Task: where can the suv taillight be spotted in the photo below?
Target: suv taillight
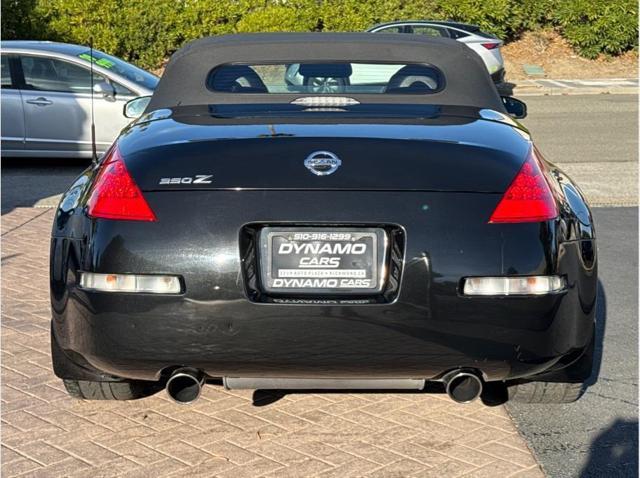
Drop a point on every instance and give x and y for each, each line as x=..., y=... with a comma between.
x=490, y=46
x=115, y=194
x=528, y=198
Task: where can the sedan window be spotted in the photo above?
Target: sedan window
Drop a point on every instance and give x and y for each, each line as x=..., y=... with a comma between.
x=6, y=72
x=122, y=68
x=49, y=74
x=394, y=29
x=121, y=90
x=455, y=34
x=429, y=30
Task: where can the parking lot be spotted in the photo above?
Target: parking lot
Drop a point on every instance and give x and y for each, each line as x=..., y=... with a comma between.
x=45, y=433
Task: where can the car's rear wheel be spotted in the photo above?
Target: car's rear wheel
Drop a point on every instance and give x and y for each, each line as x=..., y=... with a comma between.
x=131, y=390
x=546, y=392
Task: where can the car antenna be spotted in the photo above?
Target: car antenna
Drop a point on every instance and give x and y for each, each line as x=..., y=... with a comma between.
x=94, y=152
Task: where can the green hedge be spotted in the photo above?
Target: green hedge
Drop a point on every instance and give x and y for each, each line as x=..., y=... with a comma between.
x=598, y=26
x=147, y=31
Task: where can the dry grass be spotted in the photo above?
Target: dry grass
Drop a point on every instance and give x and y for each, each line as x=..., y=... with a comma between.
x=549, y=50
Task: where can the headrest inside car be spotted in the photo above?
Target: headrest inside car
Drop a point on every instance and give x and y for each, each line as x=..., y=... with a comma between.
x=414, y=79
x=237, y=78
x=325, y=70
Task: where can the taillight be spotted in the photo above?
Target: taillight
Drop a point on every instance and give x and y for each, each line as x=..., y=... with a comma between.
x=491, y=46
x=528, y=198
x=115, y=194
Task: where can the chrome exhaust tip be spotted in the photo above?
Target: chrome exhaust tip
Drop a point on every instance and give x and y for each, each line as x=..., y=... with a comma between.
x=463, y=386
x=185, y=385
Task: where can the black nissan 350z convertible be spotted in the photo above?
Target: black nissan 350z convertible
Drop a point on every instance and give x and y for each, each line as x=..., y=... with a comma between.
x=324, y=211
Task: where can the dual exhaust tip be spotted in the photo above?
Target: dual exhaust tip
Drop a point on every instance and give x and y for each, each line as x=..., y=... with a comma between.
x=184, y=386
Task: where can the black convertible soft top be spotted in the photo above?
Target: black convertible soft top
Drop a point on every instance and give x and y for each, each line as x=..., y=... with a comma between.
x=467, y=82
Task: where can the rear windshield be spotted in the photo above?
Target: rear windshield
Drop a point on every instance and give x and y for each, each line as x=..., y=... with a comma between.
x=326, y=78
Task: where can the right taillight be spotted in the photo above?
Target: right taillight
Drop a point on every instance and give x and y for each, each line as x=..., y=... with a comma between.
x=528, y=198
x=115, y=194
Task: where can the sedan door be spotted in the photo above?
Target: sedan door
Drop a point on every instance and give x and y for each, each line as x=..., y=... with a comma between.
x=57, y=108
x=11, y=110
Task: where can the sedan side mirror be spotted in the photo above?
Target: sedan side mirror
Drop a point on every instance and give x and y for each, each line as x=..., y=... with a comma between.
x=517, y=109
x=135, y=107
x=105, y=89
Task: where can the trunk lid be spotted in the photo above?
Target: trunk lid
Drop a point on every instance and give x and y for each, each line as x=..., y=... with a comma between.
x=443, y=153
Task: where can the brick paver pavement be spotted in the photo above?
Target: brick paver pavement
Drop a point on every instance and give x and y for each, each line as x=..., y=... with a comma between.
x=226, y=434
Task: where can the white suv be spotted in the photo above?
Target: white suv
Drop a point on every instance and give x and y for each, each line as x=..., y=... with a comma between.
x=484, y=44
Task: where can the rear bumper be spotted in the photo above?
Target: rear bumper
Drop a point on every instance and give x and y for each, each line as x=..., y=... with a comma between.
x=498, y=76
x=141, y=338
x=330, y=347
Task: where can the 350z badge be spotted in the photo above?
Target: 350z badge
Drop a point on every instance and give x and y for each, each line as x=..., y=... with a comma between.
x=197, y=179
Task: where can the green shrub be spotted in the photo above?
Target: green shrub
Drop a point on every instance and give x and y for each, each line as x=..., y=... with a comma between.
x=17, y=19
x=358, y=15
x=79, y=21
x=529, y=15
x=149, y=34
x=507, y=19
x=200, y=18
x=286, y=17
x=143, y=31
x=593, y=27
x=491, y=16
x=147, y=31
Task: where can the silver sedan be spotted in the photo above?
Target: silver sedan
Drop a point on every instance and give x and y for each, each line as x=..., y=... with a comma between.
x=46, y=98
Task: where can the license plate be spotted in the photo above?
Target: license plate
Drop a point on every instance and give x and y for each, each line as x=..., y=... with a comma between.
x=321, y=261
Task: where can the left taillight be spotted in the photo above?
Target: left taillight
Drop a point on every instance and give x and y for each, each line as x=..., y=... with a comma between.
x=115, y=195
x=491, y=45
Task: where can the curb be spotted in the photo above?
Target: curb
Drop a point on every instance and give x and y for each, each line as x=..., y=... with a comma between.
x=615, y=202
x=564, y=86
x=551, y=91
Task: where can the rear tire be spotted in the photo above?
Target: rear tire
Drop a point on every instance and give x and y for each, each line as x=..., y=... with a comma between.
x=546, y=392
x=132, y=390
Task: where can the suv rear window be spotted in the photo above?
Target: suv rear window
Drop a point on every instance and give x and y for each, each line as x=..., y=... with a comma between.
x=326, y=78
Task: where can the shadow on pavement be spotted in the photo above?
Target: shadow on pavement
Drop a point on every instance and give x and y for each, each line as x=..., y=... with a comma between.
x=27, y=182
x=601, y=323
x=614, y=452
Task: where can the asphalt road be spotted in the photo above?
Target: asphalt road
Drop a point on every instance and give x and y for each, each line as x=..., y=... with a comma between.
x=592, y=138
x=589, y=129
x=595, y=139
x=598, y=435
